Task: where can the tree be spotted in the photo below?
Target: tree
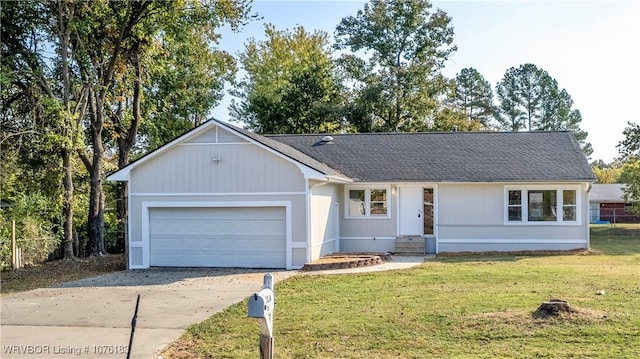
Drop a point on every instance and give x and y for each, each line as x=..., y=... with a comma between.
x=110, y=41
x=397, y=51
x=629, y=148
x=185, y=71
x=41, y=91
x=607, y=175
x=529, y=98
x=173, y=75
x=90, y=94
x=290, y=84
x=473, y=96
x=519, y=93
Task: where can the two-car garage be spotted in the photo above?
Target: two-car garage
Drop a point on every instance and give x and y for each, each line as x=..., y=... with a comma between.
x=219, y=196
x=222, y=236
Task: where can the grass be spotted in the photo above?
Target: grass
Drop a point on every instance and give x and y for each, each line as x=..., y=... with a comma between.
x=475, y=306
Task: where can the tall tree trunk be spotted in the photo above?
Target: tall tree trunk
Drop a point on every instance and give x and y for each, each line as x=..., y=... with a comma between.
x=100, y=75
x=67, y=208
x=95, y=218
x=65, y=15
x=100, y=221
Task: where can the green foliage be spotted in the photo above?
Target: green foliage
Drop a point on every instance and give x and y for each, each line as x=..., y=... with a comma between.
x=397, y=51
x=472, y=95
x=35, y=229
x=290, y=84
x=629, y=148
x=454, y=119
x=185, y=71
x=86, y=99
x=608, y=175
x=5, y=242
x=530, y=99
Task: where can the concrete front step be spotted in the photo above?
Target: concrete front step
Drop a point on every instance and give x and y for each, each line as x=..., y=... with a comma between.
x=409, y=239
x=409, y=254
x=411, y=246
x=409, y=249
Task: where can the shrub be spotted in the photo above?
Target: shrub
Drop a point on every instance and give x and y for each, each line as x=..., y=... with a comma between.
x=35, y=221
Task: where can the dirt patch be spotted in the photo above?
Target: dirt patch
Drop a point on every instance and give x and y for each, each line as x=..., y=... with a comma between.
x=574, y=314
x=524, y=317
x=55, y=272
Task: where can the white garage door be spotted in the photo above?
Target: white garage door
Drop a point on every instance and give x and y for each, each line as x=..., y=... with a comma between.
x=247, y=237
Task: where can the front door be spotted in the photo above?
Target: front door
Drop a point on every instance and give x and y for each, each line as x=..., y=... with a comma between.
x=416, y=211
x=411, y=221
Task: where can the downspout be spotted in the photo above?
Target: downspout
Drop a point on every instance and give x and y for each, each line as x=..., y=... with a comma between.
x=436, y=216
x=127, y=240
x=587, y=211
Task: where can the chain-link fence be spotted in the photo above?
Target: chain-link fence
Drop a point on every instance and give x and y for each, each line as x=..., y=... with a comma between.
x=608, y=215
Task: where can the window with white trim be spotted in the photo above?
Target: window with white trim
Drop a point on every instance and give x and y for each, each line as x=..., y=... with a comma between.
x=541, y=204
x=515, y=205
x=569, y=205
x=365, y=202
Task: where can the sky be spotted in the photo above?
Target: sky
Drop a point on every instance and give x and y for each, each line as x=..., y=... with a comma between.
x=592, y=48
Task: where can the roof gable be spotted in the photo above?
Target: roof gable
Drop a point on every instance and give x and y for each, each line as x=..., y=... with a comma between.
x=449, y=156
x=214, y=131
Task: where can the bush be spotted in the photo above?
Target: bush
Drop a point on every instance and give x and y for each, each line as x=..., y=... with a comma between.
x=36, y=241
x=5, y=242
x=34, y=230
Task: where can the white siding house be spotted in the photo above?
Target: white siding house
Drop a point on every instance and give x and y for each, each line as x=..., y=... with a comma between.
x=221, y=196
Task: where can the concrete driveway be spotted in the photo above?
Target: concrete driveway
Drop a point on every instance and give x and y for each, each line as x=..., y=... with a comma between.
x=91, y=318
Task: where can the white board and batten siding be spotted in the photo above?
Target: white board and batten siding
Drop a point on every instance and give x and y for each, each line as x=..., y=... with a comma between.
x=222, y=167
x=325, y=222
x=217, y=200
x=472, y=218
x=373, y=234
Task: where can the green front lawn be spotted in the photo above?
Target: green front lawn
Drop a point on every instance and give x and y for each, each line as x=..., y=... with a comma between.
x=473, y=306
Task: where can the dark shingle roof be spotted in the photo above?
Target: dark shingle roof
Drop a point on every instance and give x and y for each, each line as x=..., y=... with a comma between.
x=449, y=156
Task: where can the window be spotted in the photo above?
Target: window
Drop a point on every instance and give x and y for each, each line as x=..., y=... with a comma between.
x=515, y=205
x=378, y=202
x=569, y=205
x=356, y=203
x=367, y=202
x=542, y=205
x=546, y=204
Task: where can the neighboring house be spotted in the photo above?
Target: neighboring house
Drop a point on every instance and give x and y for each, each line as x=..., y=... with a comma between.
x=607, y=204
x=221, y=196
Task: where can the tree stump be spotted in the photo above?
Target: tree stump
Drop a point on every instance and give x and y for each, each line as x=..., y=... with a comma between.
x=553, y=308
